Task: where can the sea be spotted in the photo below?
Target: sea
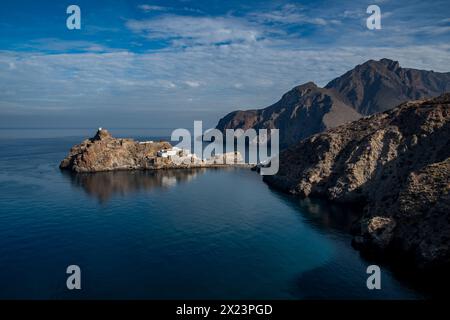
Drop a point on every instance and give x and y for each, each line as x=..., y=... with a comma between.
x=174, y=234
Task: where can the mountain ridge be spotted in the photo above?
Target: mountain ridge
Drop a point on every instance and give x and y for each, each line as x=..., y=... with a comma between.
x=377, y=86
x=371, y=87
x=304, y=110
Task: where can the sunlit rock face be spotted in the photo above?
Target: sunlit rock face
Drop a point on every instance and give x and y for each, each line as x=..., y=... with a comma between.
x=106, y=153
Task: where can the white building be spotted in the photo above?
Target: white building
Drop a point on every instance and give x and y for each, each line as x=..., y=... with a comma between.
x=162, y=154
x=184, y=155
x=168, y=153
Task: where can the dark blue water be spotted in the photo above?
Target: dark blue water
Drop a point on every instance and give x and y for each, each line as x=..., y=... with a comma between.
x=174, y=234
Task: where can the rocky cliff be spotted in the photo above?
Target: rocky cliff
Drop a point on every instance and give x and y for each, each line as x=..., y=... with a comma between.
x=395, y=163
x=301, y=112
x=367, y=89
x=377, y=86
x=106, y=153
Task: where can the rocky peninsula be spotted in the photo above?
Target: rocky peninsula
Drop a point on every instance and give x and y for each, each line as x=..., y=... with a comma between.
x=103, y=152
x=397, y=165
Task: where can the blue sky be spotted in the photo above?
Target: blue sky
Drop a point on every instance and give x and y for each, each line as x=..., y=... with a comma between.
x=167, y=63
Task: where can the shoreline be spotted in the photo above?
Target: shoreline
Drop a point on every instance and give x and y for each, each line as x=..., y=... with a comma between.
x=175, y=167
x=105, y=153
x=396, y=165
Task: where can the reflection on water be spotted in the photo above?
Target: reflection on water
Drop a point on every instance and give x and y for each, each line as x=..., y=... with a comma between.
x=329, y=215
x=104, y=185
x=323, y=214
x=150, y=235
x=322, y=225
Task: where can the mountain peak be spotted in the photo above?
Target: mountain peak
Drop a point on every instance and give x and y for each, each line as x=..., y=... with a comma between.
x=307, y=85
x=303, y=89
x=377, y=86
x=371, y=87
x=389, y=64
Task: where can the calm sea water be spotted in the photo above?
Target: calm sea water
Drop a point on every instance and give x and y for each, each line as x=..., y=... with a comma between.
x=174, y=234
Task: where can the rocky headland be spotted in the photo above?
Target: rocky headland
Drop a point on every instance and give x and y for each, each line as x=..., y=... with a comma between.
x=103, y=152
x=396, y=164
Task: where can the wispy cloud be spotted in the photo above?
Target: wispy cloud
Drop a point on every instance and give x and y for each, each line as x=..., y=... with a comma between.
x=58, y=45
x=148, y=8
x=208, y=64
x=154, y=8
x=289, y=14
x=221, y=78
x=191, y=31
x=193, y=83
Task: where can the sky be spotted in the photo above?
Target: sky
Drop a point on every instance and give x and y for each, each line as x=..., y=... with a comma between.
x=164, y=64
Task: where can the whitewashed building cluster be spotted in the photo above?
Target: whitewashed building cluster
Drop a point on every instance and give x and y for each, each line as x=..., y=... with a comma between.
x=182, y=155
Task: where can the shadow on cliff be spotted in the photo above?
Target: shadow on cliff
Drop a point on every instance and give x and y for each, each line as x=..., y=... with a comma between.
x=322, y=213
x=320, y=282
x=330, y=282
x=324, y=281
x=104, y=185
x=432, y=148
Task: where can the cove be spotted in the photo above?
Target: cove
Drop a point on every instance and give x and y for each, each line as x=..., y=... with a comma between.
x=195, y=234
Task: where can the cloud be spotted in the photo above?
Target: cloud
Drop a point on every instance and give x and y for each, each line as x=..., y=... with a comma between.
x=289, y=25
x=190, y=31
x=148, y=8
x=288, y=14
x=58, y=45
x=193, y=84
x=153, y=8
x=213, y=64
x=237, y=76
x=186, y=30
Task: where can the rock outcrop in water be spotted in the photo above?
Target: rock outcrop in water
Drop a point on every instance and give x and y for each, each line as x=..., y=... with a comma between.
x=106, y=153
x=395, y=163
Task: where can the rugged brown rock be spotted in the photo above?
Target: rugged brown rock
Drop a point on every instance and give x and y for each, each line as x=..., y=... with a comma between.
x=105, y=153
x=367, y=89
x=301, y=112
x=376, y=86
x=396, y=163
